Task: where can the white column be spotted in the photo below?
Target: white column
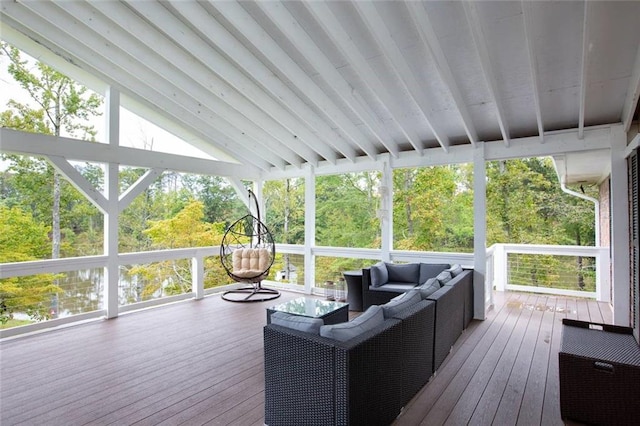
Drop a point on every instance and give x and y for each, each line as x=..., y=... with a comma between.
x=111, y=273
x=309, y=229
x=480, y=293
x=386, y=210
x=619, y=227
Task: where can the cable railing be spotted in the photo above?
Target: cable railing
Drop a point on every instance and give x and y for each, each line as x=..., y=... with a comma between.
x=562, y=270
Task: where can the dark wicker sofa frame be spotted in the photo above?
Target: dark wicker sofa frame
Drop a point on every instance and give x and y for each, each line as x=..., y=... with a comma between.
x=364, y=381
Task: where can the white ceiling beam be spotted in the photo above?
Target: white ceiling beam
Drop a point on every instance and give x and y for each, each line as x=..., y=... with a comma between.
x=533, y=64
x=251, y=30
x=633, y=94
x=16, y=142
x=133, y=83
x=232, y=104
x=398, y=63
x=429, y=38
x=285, y=22
x=138, y=187
x=154, y=68
x=480, y=42
x=79, y=182
x=556, y=143
x=351, y=53
x=584, y=68
x=291, y=113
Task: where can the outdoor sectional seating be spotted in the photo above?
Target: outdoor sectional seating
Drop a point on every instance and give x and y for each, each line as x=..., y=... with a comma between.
x=367, y=378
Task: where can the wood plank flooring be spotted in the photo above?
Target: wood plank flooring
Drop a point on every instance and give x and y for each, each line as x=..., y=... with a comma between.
x=201, y=362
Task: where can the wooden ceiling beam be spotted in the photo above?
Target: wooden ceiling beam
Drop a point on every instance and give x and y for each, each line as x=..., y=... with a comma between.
x=378, y=29
x=584, y=69
x=480, y=42
x=235, y=14
x=533, y=64
x=423, y=24
x=99, y=53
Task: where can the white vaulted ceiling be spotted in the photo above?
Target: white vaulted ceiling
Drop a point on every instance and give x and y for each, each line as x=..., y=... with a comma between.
x=274, y=85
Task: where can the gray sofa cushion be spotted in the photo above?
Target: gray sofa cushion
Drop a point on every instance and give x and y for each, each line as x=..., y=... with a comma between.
x=400, y=303
x=379, y=274
x=297, y=322
x=395, y=287
x=344, y=331
x=430, y=270
x=428, y=288
x=403, y=273
x=443, y=277
x=455, y=270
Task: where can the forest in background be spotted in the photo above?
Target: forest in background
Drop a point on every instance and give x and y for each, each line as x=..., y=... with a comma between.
x=43, y=216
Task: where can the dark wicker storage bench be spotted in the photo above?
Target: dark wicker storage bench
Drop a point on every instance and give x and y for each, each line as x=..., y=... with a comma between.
x=599, y=374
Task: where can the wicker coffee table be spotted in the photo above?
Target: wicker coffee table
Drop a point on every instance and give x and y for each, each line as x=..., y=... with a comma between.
x=329, y=312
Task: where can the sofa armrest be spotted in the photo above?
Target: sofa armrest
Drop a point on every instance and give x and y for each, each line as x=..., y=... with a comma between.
x=311, y=379
x=465, y=279
x=449, y=321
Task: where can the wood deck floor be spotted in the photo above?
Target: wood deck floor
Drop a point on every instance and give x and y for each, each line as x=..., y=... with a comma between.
x=201, y=363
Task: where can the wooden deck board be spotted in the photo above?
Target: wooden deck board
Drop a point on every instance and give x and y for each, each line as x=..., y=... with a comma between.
x=202, y=363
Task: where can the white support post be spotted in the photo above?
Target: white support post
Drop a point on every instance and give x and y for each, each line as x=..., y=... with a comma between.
x=386, y=210
x=480, y=293
x=111, y=272
x=309, y=229
x=619, y=228
x=197, y=277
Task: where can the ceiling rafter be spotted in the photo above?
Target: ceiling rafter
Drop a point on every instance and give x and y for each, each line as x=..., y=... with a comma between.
x=199, y=84
x=209, y=59
x=351, y=52
x=533, y=64
x=285, y=22
x=429, y=38
x=89, y=60
x=584, y=69
x=222, y=39
x=480, y=42
x=235, y=14
x=398, y=63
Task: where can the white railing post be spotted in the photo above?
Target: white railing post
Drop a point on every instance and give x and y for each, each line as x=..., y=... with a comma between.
x=603, y=281
x=500, y=267
x=197, y=276
x=309, y=229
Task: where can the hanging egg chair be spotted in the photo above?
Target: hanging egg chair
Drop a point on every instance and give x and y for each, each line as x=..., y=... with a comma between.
x=247, y=253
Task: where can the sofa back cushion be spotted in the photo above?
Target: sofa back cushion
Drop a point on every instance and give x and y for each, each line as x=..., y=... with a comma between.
x=430, y=270
x=403, y=273
x=455, y=270
x=444, y=277
x=429, y=287
x=297, y=322
x=368, y=320
x=379, y=274
x=400, y=303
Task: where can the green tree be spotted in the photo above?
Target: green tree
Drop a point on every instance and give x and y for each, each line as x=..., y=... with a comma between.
x=23, y=239
x=62, y=105
x=185, y=229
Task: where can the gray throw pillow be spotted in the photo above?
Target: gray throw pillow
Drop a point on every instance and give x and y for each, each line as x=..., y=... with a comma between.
x=368, y=320
x=403, y=273
x=455, y=270
x=297, y=322
x=444, y=277
x=400, y=303
x=429, y=287
x=379, y=274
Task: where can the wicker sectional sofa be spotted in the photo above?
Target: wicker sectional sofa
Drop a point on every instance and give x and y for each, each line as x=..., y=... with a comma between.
x=367, y=379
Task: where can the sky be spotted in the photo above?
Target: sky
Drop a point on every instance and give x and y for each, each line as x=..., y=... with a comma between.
x=135, y=131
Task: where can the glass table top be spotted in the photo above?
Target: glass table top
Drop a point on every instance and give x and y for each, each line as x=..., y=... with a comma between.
x=309, y=307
